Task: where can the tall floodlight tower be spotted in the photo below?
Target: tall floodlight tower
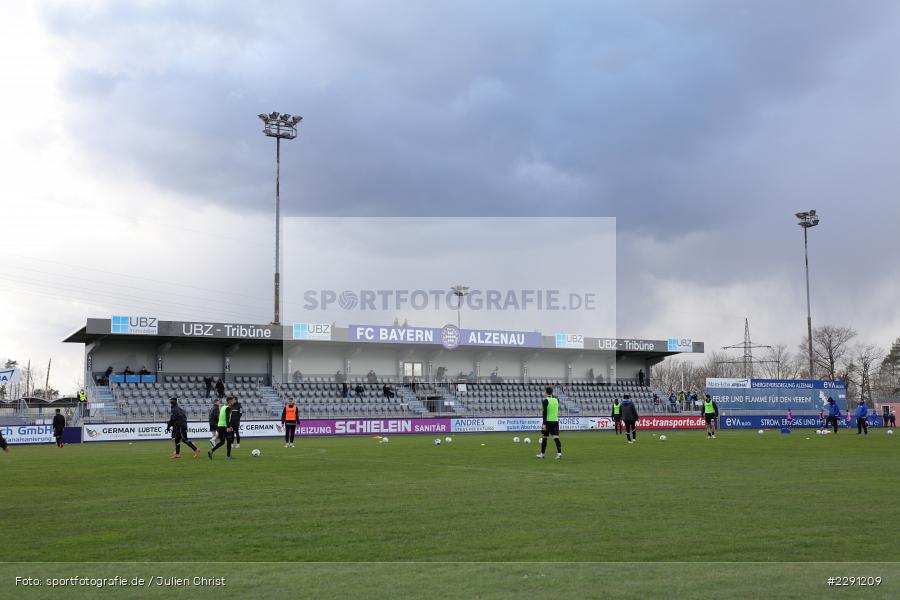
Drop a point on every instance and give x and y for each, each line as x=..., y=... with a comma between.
x=279, y=126
x=806, y=220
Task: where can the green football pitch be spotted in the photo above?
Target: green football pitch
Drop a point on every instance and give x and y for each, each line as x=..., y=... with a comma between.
x=745, y=515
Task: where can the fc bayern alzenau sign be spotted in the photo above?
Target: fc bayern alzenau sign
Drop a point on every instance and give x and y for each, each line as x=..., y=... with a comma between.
x=449, y=336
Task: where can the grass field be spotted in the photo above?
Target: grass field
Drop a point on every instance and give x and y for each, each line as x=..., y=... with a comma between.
x=480, y=517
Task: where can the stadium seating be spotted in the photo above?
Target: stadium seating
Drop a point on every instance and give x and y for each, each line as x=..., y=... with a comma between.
x=150, y=401
x=322, y=397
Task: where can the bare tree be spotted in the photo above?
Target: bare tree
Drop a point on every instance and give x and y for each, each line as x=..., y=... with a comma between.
x=831, y=346
x=780, y=363
x=861, y=371
x=889, y=372
x=676, y=375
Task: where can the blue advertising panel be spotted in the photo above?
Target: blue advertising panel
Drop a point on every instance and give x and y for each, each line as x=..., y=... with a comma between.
x=774, y=395
x=779, y=421
x=768, y=422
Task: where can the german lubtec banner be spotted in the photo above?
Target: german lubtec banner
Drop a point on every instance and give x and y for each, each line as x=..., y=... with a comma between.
x=110, y=432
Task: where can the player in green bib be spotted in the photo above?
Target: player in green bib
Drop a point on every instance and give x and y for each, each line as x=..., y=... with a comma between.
x=711, y=415
x=617, y=416
x=551, y=423
x=225, y=427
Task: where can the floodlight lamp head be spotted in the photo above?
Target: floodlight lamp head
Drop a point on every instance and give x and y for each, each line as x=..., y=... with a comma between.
x=263, y=117
x=273, y=115
x=296, y=119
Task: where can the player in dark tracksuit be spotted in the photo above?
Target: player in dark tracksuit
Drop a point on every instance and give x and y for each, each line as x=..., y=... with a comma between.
x=225, y=429
x=213, y=422
x=3, y=444
x=59, y=424
x=834, y=414
x=236, y=414
x=178, y=425
x=630, y=416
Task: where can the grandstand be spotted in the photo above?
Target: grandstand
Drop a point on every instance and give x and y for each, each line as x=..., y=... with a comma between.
x=323, y=397
x=264, y=370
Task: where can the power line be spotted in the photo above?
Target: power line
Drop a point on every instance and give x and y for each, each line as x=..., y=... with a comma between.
x=141, y=277
x=140, y=289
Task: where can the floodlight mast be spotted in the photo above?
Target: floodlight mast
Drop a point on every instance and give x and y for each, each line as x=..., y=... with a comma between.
x=807, y=219
x=460, y=291
x=279, y=126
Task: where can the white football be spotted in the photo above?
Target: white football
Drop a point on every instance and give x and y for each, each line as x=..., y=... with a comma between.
x=663, y=438
x=448, y=439
x=385, y=440
x=761, y=432
x=255, y=452
x=527, y=440
x=516, y=440
x=437, y=441
x=890, y=432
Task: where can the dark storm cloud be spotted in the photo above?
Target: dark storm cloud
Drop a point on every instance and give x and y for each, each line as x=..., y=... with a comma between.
x=466, y=109
x=701, y=126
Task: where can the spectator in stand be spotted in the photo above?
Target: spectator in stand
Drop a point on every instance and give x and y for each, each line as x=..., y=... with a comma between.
x=127, y=371
x=441, y=371
x=107, y=374
x=495, y=377
x=590, y=374
x=695, y=401
x=641, y=378
x=892, y=419
x=297, y=377
x=220, y=388
x=360, y=390
x=387, y=391
x=371, y=377
x=208, y=381
x=672, y=401
x=144, y=370
x=657, y=403
x=341, y=380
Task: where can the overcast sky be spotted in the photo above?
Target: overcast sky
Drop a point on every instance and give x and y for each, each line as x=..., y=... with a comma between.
x=134, y=176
